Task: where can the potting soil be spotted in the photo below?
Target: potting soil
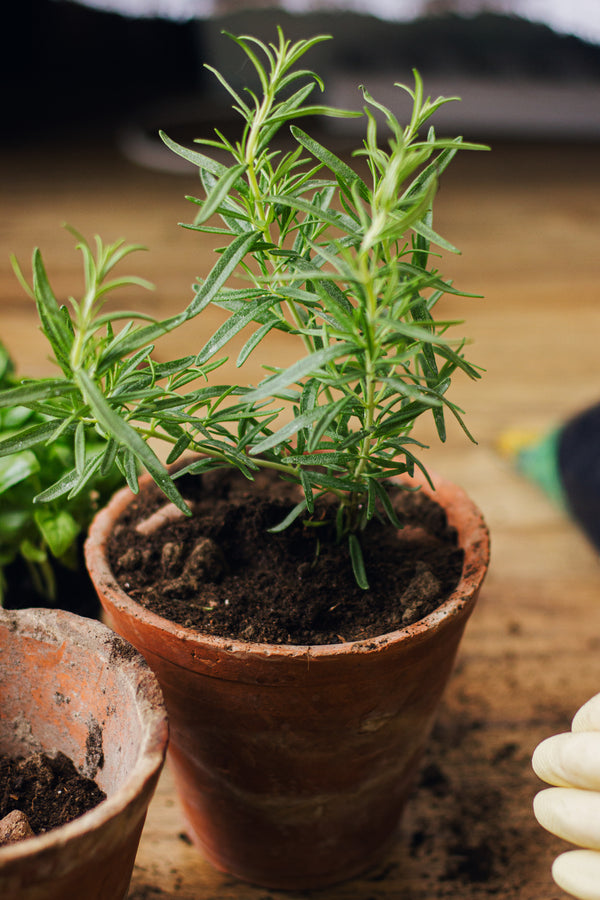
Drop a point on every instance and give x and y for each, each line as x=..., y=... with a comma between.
x=48, y=789
x=221, y=570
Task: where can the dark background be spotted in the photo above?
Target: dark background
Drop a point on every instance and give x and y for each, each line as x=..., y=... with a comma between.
x=70, y=66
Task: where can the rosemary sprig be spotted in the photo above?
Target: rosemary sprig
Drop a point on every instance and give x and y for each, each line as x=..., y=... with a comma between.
x=341, y=258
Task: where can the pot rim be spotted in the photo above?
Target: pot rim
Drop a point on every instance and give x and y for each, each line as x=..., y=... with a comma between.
x=462, y=513
x=57, y=625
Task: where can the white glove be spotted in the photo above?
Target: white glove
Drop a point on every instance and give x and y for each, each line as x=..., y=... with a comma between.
x=571, y=810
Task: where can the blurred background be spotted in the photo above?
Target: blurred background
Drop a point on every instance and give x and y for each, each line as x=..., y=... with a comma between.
x=524, y=68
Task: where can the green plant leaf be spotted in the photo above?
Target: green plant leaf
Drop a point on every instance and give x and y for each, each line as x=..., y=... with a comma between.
x=310, y=365
x=253, y=341
x=122, y=432
x=308, y=492
x=60, y=487
x=179, y=447
x=290, y=518
x=29, y=437
x=17, y=468
x=58, y=528
x=386, y=502
x=287, y=431
x=329, y=217
x=331, y=414
x=194, y=156
x=34, y=391
x=219, y=193
x=79, y=447
x=130, y=469
x=233, y=326
x=423, y=229
x=334, y=459
x=52, y=320
x=339, y=168
x=32, y=552
x=358, y=563
x=109, y=457
x=219, y=274
x=128, y=342
x=93, y=464
x=12, y=523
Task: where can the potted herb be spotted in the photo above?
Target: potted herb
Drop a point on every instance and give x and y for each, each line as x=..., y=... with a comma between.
x=294, y=743
x=98, y=706
x=41, y=547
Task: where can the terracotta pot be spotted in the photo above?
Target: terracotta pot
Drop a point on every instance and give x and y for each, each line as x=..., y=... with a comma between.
x=71, y=684
x=293, y=763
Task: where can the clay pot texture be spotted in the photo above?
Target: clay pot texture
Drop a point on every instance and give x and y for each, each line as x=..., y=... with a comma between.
x=293, y=763
x=70, y=684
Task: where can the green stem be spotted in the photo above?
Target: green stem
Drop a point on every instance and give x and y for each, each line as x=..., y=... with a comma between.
x=81, y=331
x=356, y=499
x=206, y=450
x=250, y=160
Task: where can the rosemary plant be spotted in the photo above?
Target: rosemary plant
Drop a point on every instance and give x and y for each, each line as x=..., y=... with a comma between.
x=340, y=261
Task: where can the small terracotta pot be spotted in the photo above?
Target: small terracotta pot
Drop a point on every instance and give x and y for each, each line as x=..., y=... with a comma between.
x=293, y=763
x=70, y=684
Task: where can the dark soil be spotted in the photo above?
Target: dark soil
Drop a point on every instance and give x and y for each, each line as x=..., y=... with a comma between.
x=146, y=892
x=221, y=571
x=47, y=789
x=468, y=830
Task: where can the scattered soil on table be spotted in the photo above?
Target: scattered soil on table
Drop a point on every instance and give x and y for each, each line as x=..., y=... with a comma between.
x=468, y=831
x=473, y=843
x=222, y=572
x=47, y=789
x=146, y=892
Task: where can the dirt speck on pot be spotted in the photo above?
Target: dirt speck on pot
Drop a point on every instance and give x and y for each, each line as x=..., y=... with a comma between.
x=94, y=752
x=61, y=698
x=120, y=650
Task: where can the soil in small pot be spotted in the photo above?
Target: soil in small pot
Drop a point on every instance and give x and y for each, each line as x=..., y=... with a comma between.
x=221, y=571
x=47, y=789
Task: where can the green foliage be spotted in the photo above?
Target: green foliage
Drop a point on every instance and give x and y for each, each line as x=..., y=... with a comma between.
x=52, y=530
x=340, y=259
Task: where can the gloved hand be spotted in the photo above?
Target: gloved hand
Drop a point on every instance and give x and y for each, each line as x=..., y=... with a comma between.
x=571, y=810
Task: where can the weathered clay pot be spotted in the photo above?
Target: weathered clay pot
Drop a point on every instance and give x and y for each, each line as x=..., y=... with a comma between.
x=71, y=684
x=293, y=763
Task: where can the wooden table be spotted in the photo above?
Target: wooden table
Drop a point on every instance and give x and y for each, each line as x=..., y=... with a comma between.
x=527, y=219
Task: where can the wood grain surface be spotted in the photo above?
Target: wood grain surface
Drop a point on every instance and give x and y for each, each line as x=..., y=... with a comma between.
x=527, y=219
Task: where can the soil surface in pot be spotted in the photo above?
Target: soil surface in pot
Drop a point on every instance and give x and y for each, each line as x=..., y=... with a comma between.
x=48, y=789
x=221, y=570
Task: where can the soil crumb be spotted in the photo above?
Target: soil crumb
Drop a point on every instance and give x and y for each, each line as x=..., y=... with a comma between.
x=222, y=572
